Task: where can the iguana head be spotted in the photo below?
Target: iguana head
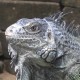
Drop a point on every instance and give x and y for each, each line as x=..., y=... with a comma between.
x=35, y=35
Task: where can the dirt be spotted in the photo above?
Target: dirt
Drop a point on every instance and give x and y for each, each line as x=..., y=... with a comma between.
x=7, y=76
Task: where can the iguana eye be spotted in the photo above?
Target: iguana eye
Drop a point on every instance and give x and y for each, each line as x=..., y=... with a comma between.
x=33, y=27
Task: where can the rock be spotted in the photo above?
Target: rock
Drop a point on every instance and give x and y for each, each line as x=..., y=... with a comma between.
x=37, y=0
x=4, y=45
x=1, y=50
x=71, y=3
x=1, y=66
x=11, y=11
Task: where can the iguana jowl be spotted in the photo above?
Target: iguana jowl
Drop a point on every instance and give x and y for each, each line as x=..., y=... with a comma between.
x=42, y=49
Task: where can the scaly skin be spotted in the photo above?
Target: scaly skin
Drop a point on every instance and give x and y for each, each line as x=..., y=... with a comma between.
x=42, y=49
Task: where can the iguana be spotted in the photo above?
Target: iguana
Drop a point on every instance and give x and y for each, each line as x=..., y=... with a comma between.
x=43, y=49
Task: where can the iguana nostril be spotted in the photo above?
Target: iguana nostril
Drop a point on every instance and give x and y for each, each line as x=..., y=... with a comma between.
x=11, y=30
x=49, y=35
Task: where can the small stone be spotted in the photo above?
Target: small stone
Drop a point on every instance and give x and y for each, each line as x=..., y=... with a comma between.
x=1, y=66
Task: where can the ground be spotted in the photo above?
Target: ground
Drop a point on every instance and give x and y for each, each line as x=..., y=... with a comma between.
x=7, y=76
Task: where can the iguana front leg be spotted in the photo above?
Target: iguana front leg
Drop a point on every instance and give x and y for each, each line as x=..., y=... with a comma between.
x=23, y=73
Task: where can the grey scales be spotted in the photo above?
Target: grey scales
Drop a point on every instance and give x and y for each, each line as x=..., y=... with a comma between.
x=44, y=49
